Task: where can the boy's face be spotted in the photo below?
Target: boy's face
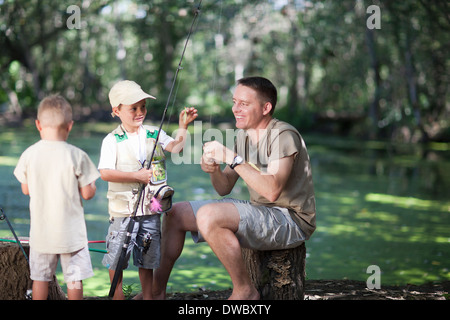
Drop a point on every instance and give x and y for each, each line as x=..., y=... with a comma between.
x=132, y=116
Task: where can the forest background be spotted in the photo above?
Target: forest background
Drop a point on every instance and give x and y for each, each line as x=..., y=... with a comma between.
x=340, y=66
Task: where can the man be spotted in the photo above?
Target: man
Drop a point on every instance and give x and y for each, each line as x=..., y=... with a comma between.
x=271, y=157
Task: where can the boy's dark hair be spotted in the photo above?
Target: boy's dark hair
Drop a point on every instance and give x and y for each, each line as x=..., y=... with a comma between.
x=265, y=89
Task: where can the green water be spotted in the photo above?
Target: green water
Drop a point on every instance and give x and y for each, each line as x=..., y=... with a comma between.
x=377, y=204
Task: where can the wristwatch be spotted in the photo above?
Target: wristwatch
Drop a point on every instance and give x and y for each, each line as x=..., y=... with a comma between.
x=236, y=161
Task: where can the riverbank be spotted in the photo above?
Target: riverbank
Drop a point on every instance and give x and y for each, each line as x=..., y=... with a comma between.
x=338, y=290
x=345, y=290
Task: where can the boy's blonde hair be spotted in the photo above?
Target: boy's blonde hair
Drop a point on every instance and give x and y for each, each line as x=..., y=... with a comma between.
x=54, y=111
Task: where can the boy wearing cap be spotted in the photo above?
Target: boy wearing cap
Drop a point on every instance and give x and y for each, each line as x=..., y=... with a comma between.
x=123, y=158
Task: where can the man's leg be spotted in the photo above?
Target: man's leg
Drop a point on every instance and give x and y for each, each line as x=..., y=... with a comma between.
x=175, y=224
x=218, y=224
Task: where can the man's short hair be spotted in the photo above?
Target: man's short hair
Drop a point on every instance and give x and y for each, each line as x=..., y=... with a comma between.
x=264, y=87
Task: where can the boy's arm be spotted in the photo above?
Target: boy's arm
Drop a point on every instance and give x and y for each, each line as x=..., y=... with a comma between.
x=88, y=192
x=25, y=189
x=107, y=164
x=142, y=176
x=186, y=116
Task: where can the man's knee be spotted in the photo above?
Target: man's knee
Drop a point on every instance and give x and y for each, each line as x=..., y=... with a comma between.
x=180, y=217
x=222, y=215
x=205, y=217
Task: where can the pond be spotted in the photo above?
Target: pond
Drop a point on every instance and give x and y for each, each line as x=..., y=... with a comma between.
x=377, y=204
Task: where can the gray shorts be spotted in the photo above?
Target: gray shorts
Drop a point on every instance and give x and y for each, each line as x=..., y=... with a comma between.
x=260, y=227
x=145, y=242
x=76, y=266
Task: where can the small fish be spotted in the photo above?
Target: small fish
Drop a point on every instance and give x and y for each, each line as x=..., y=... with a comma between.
x=185, y=114
x=253, y=166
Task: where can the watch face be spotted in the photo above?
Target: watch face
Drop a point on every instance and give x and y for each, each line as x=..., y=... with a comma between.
x=237, y=160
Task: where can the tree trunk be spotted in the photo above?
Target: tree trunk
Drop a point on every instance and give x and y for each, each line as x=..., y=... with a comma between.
x=15, y=274
x=278, y=274
x=374, y=109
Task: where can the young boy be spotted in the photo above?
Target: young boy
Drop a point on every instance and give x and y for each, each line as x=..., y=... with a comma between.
x=55, y=174
x=123, y=163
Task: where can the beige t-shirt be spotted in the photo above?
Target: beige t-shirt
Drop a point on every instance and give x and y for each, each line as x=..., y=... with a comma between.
x=282, y=140
x=54, y=171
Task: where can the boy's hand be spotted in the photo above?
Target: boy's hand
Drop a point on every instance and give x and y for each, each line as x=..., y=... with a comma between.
x=187, y=115
x=88, y=192
x=144, y=175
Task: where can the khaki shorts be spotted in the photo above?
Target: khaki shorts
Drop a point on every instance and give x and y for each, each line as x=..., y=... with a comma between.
x=76, y=266
x=145, y=228
x=260, y=227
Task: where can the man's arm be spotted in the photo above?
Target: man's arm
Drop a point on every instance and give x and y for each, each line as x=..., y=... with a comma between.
x=269, y=184
x=222, y=181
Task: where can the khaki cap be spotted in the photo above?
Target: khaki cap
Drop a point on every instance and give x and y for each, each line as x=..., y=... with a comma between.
x=127, y=92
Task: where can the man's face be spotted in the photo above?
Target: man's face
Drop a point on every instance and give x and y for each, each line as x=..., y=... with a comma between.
x=247, y=108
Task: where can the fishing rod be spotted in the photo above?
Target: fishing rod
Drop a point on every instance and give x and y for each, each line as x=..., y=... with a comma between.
x=4, y=217
x=130, y=227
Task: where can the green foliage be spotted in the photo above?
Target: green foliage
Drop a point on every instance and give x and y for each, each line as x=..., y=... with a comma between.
x=320, y=54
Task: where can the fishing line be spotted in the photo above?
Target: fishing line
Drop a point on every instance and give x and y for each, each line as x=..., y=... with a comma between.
x=4, y=217
x=174, y=99
x=216, y=56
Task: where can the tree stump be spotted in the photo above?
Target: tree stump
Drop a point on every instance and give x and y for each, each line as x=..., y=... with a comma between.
x=15, y=274
x=277, y=274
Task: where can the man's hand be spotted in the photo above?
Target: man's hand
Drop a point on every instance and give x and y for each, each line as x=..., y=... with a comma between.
x=214, y=154
x=217, y=152
x=208, y=164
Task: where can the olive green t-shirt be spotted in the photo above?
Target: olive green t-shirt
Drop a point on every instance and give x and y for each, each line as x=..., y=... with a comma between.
x=283, y=140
